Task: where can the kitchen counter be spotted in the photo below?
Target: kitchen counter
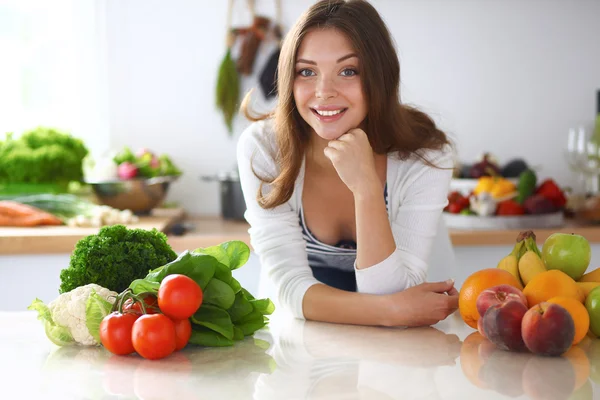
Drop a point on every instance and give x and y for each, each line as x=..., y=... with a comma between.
x=208, y=231
x=295, y=359
x=211, y=230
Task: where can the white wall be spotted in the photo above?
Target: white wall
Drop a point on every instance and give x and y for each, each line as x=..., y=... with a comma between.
x=508, y=76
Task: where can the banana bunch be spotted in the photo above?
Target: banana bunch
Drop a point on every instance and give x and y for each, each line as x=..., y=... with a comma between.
x=525, y=260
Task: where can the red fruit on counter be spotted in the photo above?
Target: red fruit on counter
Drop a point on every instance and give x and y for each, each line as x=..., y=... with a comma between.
x=498, y=295
x=539, y=204
x=550, y=190
x=127, y=170
x=510, y=207
x=455, y=208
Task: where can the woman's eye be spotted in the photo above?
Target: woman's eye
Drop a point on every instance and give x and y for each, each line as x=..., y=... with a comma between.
x=349, y=72
x=305, y=72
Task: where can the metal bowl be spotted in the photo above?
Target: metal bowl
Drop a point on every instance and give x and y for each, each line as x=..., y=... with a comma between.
x=138, y=195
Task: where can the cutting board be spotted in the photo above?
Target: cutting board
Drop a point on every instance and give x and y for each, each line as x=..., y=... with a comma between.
x=62, y=239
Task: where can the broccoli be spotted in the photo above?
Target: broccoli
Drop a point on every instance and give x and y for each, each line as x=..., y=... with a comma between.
x=115, y=257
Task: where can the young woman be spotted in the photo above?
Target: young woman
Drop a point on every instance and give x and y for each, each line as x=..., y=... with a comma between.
x=344, y=185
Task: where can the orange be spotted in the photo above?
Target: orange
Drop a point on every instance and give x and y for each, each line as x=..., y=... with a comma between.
x=477, y=283
x=579, y=314
x=553, y=283
x=587, y=287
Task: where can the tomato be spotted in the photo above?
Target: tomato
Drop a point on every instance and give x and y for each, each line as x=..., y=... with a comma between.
x=151, y=303
x=183, y=332
x=154, y=336
x=115, y=332
x=179, y=296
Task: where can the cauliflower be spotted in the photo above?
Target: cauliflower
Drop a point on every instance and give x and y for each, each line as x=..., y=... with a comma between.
x=74, y=317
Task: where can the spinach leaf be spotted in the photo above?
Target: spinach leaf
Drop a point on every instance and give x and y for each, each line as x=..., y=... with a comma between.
x=238, y=334
x=219, y=294
x=223, y=273
x=217, y=252
x=235, y=285
x=205, y=337
x=253, y=316
x=214, y=318
x=232, y=254
x=247, y=294
x=264, y=306
x=200, y=267
x=142, y=285
x=251, y=323
x=238, y=253
x=240, y=308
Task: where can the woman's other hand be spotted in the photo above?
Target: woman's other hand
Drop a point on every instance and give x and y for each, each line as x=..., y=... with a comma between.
x=352, y=156
x=422, y=305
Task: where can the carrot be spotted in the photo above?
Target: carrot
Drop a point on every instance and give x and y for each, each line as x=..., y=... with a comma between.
x=14, y=209
x=29, y=220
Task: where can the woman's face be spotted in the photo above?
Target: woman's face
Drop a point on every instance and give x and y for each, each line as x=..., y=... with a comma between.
x=327, y=87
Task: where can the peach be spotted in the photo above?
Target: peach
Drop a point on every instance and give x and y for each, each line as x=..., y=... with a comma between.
x=498, y=295
x=502, y=325
x=548, y=329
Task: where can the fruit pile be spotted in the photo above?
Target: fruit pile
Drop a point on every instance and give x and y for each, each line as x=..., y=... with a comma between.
x=496, y=195
x=538, y=301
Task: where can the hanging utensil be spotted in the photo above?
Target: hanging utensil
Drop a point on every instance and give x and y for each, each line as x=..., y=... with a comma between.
x=253, y=36
x=268, y=76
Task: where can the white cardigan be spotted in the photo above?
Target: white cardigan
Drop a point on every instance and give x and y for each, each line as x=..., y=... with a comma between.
x=417, y=194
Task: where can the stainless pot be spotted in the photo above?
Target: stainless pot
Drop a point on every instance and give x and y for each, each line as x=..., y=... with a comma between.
x=233, y=205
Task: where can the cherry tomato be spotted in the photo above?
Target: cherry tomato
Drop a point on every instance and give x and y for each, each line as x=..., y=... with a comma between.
x=179, y=296
x=151, y=303
x=183, y=332
x=154, y=336
x=115, y=332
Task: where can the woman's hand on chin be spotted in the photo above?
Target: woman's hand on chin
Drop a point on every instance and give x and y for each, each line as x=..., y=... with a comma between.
x=352, y=156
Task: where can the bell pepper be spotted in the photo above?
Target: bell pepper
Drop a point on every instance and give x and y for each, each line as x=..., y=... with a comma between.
x=497, y=187
x=510, y=207
x=550, y=190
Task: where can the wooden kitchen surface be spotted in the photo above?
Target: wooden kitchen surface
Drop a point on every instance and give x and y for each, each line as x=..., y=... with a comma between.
x=209, y=231
x=62, y=239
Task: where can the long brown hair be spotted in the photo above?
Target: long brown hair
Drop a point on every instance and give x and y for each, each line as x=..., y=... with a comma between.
x=390, y=125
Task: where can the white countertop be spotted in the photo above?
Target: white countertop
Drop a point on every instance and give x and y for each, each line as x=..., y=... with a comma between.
x=294, y=359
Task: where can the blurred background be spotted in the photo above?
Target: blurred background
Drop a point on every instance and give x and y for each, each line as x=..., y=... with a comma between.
x=506, y=77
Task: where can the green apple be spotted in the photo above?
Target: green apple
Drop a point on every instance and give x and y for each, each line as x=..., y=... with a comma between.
x=567, y=252
x=592, y=304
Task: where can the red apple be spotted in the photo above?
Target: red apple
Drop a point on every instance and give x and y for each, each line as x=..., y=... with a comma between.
x=498, y=295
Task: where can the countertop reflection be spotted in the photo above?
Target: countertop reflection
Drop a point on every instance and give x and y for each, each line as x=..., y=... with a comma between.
x=295, y=359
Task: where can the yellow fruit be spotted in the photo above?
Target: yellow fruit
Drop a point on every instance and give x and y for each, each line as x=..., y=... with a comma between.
x=549, y=284
x=510, y=265
x=593, y=276
x=530, y=265
x=586, y=287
